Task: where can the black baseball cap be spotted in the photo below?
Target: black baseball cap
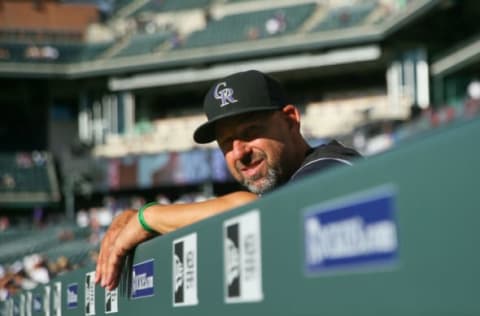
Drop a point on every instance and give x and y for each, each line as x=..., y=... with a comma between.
x=239, y=93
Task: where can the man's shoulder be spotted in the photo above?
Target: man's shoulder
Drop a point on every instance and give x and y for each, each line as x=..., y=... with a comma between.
x=332, y=150
x=325, y=156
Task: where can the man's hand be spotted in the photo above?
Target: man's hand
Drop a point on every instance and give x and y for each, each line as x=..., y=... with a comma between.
x=110, y=246
x=129, y=237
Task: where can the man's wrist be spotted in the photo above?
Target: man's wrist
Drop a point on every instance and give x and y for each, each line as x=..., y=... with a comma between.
x=141, y=218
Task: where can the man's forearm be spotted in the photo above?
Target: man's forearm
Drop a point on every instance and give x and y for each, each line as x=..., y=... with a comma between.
x=166, y=218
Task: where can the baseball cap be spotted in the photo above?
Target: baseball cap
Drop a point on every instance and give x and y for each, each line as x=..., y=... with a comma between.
x=239, y=93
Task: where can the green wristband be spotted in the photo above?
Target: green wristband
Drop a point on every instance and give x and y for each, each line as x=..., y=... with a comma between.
x=141, y=219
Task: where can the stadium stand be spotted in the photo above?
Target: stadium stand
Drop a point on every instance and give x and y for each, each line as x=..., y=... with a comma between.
x=35, y=45
x=28, y=178
x=346, y=16
x=140, y=44
x=77, y=252
x=120, y=5
x=250, y=26
x=45, y=52
x=29, y=241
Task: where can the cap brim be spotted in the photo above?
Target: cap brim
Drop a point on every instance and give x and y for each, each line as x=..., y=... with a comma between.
x=205, y=133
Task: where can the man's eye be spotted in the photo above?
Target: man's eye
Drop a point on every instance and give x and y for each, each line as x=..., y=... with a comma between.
x=251, y=132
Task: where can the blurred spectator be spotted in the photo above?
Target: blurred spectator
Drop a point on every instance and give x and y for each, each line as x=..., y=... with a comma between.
x=60, y=266
x=8, y=182
x=162, y=199
x=276, y=24
x=38, y=217
x=253, y=33
x=472, y=103
x=49, y=52
x=473, y=89
x=105, y=8
x=345, y=17
x=4, y=54
x=37, y=269
x=175, y=39
x=39, y=158
x=3, y=283
x=93, y=256
x=4, y=224
x=95, y=227
x=66, y=235
x=82, y=218
x=32, y=52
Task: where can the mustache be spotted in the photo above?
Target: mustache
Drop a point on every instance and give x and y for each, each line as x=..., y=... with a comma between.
x=248, y=159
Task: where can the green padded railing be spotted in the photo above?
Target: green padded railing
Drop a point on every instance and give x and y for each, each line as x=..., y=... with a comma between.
x=396, y=234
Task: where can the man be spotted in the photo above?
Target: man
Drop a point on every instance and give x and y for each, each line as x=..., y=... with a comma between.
x=258, y=132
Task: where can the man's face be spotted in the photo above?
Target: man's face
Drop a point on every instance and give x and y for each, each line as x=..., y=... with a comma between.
x=256, y=147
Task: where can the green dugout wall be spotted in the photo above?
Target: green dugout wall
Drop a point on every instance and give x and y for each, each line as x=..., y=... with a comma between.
x=396, y=234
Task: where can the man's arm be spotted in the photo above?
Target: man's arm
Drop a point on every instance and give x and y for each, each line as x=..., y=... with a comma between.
x=163, y=219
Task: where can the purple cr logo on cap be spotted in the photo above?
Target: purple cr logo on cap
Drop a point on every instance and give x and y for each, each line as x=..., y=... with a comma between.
x=226, y=95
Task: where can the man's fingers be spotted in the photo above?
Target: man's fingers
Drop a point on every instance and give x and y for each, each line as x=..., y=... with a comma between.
x=100, y=262
x=113, y=267
x=124, y=234
x=101, y=259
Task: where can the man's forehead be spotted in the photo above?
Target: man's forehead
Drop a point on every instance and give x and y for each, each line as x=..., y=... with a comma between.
x=228, y=124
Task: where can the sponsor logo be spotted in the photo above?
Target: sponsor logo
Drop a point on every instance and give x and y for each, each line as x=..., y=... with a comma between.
x=57, y=299
x=111, y=301
x=185, y=271
x=29, y=304
x=232, y=260
x=225, y=94
x=90, y=293
x=10, y=307
x=242, y=258
x=142, y=279
x=72, y=296
x=37, y=303
x=22, y=304
x=46, y=300
x=353, y=232
x=15, y=308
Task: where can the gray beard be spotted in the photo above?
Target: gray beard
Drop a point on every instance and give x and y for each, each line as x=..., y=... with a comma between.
x=268, y=183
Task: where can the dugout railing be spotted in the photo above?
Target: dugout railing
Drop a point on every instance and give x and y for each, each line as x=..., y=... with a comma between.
x=396, y=234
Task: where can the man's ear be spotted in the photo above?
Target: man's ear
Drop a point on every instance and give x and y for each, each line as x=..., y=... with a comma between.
x=292, y=115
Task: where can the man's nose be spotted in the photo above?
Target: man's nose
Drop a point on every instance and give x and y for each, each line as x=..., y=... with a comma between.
x=240, y=149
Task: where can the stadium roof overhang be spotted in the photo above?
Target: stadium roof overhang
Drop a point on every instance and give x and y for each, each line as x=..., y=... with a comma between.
x=274, y=64
x=296, y=51
x=467, y=55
